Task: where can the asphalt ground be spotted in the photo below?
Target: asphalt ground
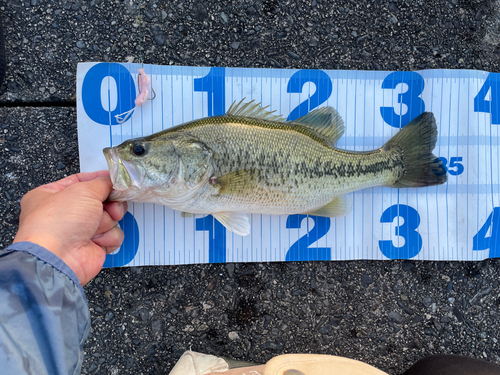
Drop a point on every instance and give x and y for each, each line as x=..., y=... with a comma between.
x=385, y=313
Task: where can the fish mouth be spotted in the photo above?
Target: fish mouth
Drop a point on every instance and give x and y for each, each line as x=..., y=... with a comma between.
x=124, y=175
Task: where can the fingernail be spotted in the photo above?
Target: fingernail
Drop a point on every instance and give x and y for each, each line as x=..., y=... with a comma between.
x=123, y=207
x=112, y=249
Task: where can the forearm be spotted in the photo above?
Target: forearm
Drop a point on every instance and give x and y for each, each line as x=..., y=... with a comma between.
x=44, y=318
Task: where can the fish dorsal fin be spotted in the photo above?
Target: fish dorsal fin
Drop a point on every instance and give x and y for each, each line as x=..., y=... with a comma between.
x=253, y=110
x=325, y=121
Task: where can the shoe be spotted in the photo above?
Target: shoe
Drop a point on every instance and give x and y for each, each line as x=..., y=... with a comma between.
x=192, y=363
x=315, y=364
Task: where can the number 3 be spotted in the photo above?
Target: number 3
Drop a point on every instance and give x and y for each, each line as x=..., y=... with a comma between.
x=410, y=98
x=413, y=240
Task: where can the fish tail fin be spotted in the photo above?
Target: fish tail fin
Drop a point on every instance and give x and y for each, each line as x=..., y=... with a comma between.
x=417, y=140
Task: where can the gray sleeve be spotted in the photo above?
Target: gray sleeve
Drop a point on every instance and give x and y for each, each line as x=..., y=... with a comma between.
x=44, y=317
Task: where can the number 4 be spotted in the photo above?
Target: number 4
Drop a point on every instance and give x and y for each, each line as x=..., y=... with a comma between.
x=481, y=242
x=493, y=105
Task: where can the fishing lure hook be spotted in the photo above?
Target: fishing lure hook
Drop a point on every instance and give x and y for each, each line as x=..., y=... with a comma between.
x=143, y=82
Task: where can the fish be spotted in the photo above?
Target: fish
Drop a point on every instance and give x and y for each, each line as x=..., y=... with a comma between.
x=251, y=160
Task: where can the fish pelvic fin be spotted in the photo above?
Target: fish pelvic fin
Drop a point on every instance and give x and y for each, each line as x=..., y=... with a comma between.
x=236, y=222
x=326, y=122
x=339, y=206
x=253, y=110
x=417, y=141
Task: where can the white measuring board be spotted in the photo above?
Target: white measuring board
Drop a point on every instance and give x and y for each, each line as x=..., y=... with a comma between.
x=459, y=220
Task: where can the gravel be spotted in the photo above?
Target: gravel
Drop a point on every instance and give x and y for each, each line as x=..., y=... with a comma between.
x=388, y=314
x=47, y=39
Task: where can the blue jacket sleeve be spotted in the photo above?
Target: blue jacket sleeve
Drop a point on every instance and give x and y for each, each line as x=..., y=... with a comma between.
x=44, y=317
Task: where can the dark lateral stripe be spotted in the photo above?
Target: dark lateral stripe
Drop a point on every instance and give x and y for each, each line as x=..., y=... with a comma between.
x=346, y=170
x=261, y=165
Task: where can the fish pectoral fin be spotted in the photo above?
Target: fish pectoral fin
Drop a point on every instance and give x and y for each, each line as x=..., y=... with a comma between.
x=339, y=206
x=253, y=110
x=236, y=222
x=235, y=182
x=325, y=121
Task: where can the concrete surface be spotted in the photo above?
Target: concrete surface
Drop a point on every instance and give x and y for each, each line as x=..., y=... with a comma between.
x=388, y=314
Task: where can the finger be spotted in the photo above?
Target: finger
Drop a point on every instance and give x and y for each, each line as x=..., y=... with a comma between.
x=99, y=188
x=116, y=209
x=82, y=177
x=106, y=223
x=61, y=184
x=111, y=240
x=74, y=178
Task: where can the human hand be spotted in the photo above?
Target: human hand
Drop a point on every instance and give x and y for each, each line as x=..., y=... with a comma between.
x=68, y=217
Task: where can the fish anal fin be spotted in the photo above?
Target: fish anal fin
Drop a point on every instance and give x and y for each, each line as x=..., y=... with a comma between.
x=236, y=222
x=325, y=121
x=339, y=206
x=253, y=110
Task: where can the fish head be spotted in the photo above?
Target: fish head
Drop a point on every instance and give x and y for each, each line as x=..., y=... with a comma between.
x=169, y=167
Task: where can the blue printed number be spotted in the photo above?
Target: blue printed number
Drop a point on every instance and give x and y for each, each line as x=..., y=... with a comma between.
x=493, y=105
x=216, y=238
x=91, y=92
x=410, y=98
x=481, y=242
x=454, y=163
x=213, y=84
x=130, y=244
x=323, y=90
x=413, y=240
x=300, y=250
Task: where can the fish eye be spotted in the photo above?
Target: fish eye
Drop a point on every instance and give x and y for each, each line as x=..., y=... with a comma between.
x=138, y=150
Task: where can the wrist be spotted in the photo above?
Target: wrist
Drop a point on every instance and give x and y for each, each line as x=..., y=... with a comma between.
x=45, y=241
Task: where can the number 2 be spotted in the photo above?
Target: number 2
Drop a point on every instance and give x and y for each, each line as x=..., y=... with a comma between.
x=300, y=250
x=323, y=91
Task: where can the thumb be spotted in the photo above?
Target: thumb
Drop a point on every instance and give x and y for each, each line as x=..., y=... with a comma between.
x=99, y=188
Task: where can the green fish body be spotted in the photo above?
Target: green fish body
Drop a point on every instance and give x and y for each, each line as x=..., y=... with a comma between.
x=251, y=161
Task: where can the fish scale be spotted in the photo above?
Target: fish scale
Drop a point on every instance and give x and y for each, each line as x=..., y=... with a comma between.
x=308, y=173
x=251, y=161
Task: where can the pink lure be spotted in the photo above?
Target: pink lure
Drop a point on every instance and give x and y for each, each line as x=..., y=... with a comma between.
x=143, y=90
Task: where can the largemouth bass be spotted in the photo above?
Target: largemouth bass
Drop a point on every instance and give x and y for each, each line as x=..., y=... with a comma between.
x=252, y=161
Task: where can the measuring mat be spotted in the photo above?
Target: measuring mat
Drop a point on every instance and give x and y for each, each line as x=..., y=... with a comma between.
x=459, y=220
